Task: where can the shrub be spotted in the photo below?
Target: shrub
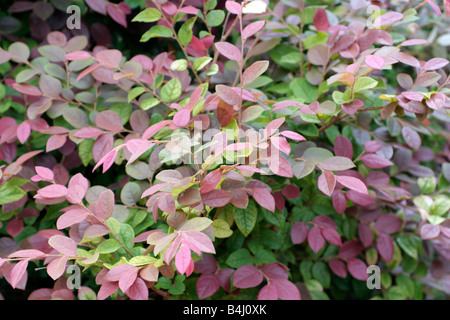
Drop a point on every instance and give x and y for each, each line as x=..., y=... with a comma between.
x=259, y=151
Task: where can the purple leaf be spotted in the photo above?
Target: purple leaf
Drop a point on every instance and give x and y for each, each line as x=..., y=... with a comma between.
x=332, y=236
x=216, y=198
x=429, y=231
x=357, y=269
x=320, y=20
x=229, y=50
x=254, y=71
x=109, y=120
x=385, y=247
x=315, y=239
x=388, y=223
x=247, y=277
x=338, y=267
x=435, y=63
x=251, y=29
x=286, y=289
x=375, y=161
x=207, y=285
x=343, y=147
x=299, y=232
x=353, y=183
x=365, y=235
x=268, y=292
x=412, y=138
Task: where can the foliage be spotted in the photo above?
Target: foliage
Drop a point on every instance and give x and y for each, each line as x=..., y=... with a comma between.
x=225, y=150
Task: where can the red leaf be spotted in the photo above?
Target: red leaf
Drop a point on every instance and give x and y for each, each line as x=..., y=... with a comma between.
x=349, y=250
x=210, y=181
x=385, y=247
x=14, y=227
x=286, y=289
x=320, y=20
x=264, y=198
x=338, y=267
x=138, y=291
x=247, y=277
x=207, y=285
x=109, y=120
x=339, y=201
x=127, y=279
x=299, y=232
x=315, y=239
x=239, y=198
x=388, y=223
x=325, y=222
x=343, y=147
x=332, y=236
x=357, y=269
x=18, y=272
x=268, y=292
x=216, y=198
x=291, y=191
x=27, y=89
x=107, y=289
x=365, y=235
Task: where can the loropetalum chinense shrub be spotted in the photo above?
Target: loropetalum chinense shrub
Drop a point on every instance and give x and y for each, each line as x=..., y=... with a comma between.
x=245, y=150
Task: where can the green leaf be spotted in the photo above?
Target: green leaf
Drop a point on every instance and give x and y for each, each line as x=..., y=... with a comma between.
x=215, y=18
x=202, y=62
x=2, y=91
x=441, y=205
x=113, y=224
x=179, y=65
x=246, y=218
x=11, y=194
x=315, y=39
x=185, y=32
x=126, y=235
x=364, y=83
x=85, y=151
x=305, y=269
x=149, y=103
x=142, y=260
x=407, y=246
x=321, y=273
x=147, y=15
x=396, y=293
x=303, y=90
x=108, y=246
x=155, y=32
x=171, y=90
x=239, y=258
x=221, y=229
x=406, y=284
x=135, y=92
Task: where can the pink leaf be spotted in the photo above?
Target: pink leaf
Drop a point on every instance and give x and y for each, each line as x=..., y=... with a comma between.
x=272, y=127
x=435, y=7
x=23, y=131
x=182, y=118
x=71, y=217
x=188, y=10
x=183, y=259
x=233, y=7
x=375, y=161
x=254, y=71
x=247, y=277
x=89, y=132
x=429, y=231
x=18, y=272
x=109, y=120
x=107, y=289
x=315, y=239
x=77, y=188
x=412, y=138
x=63, y=245
x=228, y=95
x=117, y=14
x=414, y=42
x=78, y=55
x=199, y=240
x=435, y=63
x=27, y=253
x=372, y=146
x=104, y=206
x=56, y=268
x=207, y=285
x=299, y=232
x=44, y=173
x=325, y=222
x=27, y=89
x=327, y=182
x=387, y=18
x=357, y=269
x=292, y=135
x=375, y=62
x=280, y=166
x=339, y=201
x=53, y=191
x=353, y=183
x=264, y=198
x=229, y=50
x=127, y=279
x=350, y=249
x=55, y=142
x=252, y=28
x=365, y=235
x=138, y=291
x=153, y=129
x=97, y=5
